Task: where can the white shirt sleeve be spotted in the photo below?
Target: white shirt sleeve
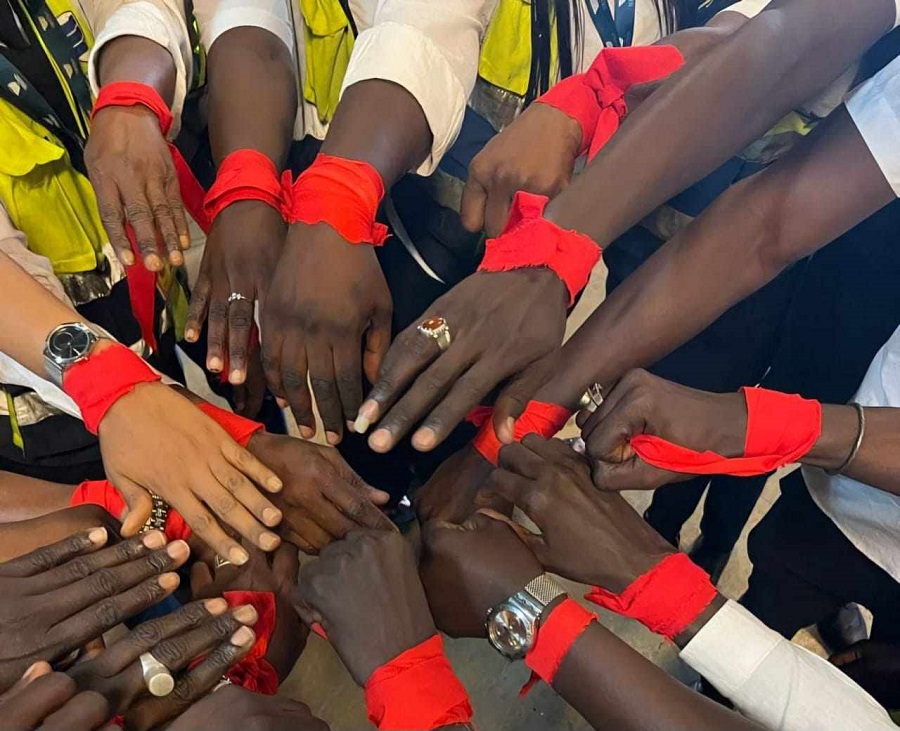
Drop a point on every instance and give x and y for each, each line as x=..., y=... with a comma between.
x=215, y=17
x=775, y=682
x=431, y=49
x=160, y=21
x=747, y=8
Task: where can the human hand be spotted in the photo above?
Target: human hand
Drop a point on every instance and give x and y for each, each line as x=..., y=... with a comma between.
x=132, y=172
x=875, y=667
x=500, y=322
x=233, y=707
x=42, y=699
x=322, y=497
x=468, y=569
x=367, y=580
x=536, y=153
x=642, y=403
x=175, y=640
x=327, y=298
x=59, y=597
x=35, y=533
x=155, y=440
x=593, y=537
x=450, y=494
x=241, y=253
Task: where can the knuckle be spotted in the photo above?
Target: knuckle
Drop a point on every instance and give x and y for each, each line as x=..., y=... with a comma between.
x=293, y=380
x=218, y=310
x=110, y=214
x=158, y=561
x=202, y=523
x=128, y=550
x=186, y=689
x=79, y=568
x=225, y=504
x=173, y=652
x=137, y=212
x=107, y=613
x=148, y=634
x=104, y=583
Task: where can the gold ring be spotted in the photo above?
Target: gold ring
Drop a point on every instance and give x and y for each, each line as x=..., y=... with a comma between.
x=437, y=329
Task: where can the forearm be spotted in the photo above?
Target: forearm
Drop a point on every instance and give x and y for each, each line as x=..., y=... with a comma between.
x=252, y=94
x=824, y=187
x=717, y=106
x=380, y=123
x=23, y=498
x=131, y=58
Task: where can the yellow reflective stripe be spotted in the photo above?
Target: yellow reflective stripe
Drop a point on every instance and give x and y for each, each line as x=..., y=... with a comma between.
x=14, y=422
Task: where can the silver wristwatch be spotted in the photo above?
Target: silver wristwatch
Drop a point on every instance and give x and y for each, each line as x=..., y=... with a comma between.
x=512, y=625
x=66, y=345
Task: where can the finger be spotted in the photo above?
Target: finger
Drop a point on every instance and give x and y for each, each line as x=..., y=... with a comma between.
x=270, y=355
x=378, y=341
x=176, y=205
x=112, y=216
x=176, y=653
x=208, y=530
x=327, y=517
x=471, y=207
x=308, y=615
x=47, y=557
x=427, y=390
x=293, y=378
x=534, y=542
x=85, y=711
x=516, y=489
x=233, y=500
x=250, y=466
x=39, y=699
x=201, y=578
x=513, y=400
x=298, y=541
x=38, y=670
x=555, y=451
x=216, y=330
x=348, y=375
x=846, y=657
x=520, y=460
x=325, y=390
x=139, y=503
x=240, y=322
x=197, y=309
x=304, y=530
x=632, y=474
x=286, y=566
x=497, y=209
x=140, y=218
x=354, y=504
x=164, y=220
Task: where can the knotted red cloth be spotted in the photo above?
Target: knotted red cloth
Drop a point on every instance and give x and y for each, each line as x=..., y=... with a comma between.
x=556, y=635
x=238, y=428
x=255, y=673
x=538, y=418
x=417, y=691
x=101, y=379
x=781, y=428
x=345, y=194
x=141, y=281
x=530, y=240
x=666, y=600
x=246, y=175
x=596, y=98
x=104, y=494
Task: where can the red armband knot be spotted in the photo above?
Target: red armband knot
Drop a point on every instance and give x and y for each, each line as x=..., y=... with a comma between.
x=540, y=418
x=101, y=379
x=141, y=281
x=781, y=428
x=255, y=673
x=530, y=240
x=556, y=635
x=238, y=428
x=666, y=600
x=246, y=175
x=104, y=494
x=345, y=194
x=417, y=691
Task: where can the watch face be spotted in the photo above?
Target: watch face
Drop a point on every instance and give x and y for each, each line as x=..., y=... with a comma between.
x=510, y=632
x=69, y=343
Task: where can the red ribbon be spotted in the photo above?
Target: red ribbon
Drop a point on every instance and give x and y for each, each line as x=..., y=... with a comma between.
x=255, y=673
x=246, y=175
x=596, y=98
x=345, y=194
x=104, y=494
x=530, y=240
x=666, y=600
x=556, y=635
x=101, y=379
x=781, y=428
x=417, y=691
x=237, y=427
x=141, y=281
x=538, y=418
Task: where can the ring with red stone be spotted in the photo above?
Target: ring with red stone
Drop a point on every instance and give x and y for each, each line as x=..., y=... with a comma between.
x=437, y=329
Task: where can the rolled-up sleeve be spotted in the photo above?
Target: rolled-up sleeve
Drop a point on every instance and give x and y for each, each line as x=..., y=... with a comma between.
x=431, y=49
x=216, y=17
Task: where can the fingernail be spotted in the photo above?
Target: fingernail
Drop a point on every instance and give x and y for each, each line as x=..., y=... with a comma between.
x=236, y=377
x=246, y=614
x=274, y=484
x=128, y=258
x=184, y=241
x=153, y=263
x=178, y=550
x=97, y=536
x=169, y=581
x=268, y=541
x=35, y=671
x=361, y=425
x=510, y=426
x=238, y=555
x=380, y=440
x=154, y=539
x=243, y=637
x=424, y=439
x=191, y=335
x=332, y=437
x=215, y=606
x=214, y=365
x=271, y=516
x=176, y=259
x=281, y=402
x=350, y=427
x=367, y=413
x=306, y=432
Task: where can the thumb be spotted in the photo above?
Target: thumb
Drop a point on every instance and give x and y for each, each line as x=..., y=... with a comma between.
x=139, y=505
x=515, y=397
x=378, y=341
x=472, y=205
x=532, y=541
x=632, y=474
x=286, y=566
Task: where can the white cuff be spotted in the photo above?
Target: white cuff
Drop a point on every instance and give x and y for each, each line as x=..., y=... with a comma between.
x=747, y=8
x=229, y=16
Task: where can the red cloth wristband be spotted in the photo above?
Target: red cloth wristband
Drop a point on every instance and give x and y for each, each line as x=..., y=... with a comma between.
x=556, y=635
x=104, y=494
x=666, y=600
x=538, y=418
x=781, y=428
x=345, y=194
x=255, y=673
x=530, y=240
x=574, y=98
x=417, y=691
x=245, y=175
x=238, y=428
x=101, y=379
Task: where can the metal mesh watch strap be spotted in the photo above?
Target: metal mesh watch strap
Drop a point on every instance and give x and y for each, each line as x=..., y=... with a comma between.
x=545, y=589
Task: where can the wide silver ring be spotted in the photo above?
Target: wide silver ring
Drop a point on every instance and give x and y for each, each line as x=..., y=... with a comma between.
x=237, y=297
x=592, y=398
x=157, y=677
x=438, y=330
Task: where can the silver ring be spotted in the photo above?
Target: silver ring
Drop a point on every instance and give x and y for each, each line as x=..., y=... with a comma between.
x=438, y=330
x=221, y=684
x=157, y=677
x=592, y=398
x=219, y=562
x=237, y=297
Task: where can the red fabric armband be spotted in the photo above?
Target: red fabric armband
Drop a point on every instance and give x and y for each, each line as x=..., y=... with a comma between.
x=556, y=635
x=239, y=428
x=245, y=175
x=574, y=98
x=417, y=691
x=255, y=673
x=530, y=240
x=539, y=418
x=345, y=194
x=100, y=380
x=781, y=428
x=104, y=494
x=666, y=600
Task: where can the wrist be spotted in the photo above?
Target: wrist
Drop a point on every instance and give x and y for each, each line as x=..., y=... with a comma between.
x=840, y=429
x=727, y=424
x=690, y=632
